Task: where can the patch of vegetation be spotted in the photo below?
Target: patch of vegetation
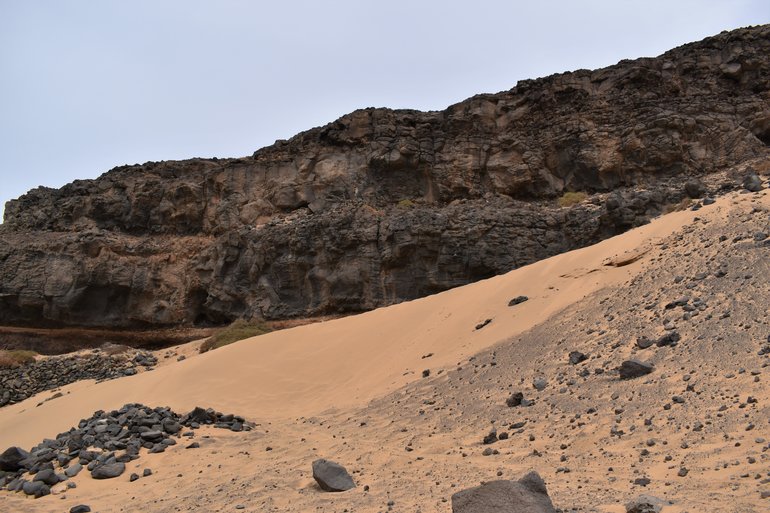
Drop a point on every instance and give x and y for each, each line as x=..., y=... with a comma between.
x=238, y=330
x=569, y=199
x=406, y=203
x=16, y=357
x=678, y=207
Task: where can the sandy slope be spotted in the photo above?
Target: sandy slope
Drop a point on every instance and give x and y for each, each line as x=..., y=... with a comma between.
x=351, y=390
x=349, y=361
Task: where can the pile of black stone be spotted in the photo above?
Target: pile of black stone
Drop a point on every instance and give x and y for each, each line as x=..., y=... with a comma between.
x=19, y=383
x=103, y=444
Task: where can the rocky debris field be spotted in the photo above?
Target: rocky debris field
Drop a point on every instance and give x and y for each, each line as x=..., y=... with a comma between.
x=103, y=444
x=658, y=387
x=48, y=373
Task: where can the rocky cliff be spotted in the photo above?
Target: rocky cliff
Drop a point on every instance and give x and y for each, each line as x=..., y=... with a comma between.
x=386, y=205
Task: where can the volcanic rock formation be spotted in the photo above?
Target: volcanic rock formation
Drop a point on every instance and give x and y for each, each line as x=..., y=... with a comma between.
x=386, y=205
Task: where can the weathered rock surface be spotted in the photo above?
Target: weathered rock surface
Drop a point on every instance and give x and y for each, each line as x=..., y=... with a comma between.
x=527, y=495
x=331, y=476
x=11, y=459
x=381, y=205
x=645, y=504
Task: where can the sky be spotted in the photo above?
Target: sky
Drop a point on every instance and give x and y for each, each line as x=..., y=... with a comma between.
x=89, y=85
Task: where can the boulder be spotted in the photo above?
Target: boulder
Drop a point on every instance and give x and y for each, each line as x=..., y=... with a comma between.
x=36, y=488
x=752, y=183
x=527, y=495
x=108, y=470
x=12, y=458
x=331, y=476
x=575, y=357
x=634, y=369
x=645, y=504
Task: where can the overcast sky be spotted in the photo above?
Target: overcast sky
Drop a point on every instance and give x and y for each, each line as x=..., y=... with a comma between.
x=89, y=85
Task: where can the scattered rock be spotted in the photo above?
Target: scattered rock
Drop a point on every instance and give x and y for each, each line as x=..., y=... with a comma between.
x=517, y=300
x=630, y=369
x=752, y=183
x=331, y=476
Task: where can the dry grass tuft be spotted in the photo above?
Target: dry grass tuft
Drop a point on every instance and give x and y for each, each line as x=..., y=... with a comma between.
x=572, y=198
x=238, y=330
x=15, y=357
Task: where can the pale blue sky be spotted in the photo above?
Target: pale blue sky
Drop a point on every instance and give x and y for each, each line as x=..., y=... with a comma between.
x=88, y=85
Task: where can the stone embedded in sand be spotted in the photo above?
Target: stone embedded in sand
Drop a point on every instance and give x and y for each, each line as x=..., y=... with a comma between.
x=539, y=383
x=575, y=357
x=108, y=470
x=645, y=504
x=482, y=324
x=633, y=369
x=331, y=476
x=515, y=399
x=644, y=342
x=517, y=300
x=80, y=508
x=36, y=488
x=11, y=459
x=669, y=339
x=491, y=437
x=527, y=495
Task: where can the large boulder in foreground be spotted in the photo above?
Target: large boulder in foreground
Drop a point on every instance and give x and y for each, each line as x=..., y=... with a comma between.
x=332, y=477
x=527, y=495
x=645, y=504
x=11, y=459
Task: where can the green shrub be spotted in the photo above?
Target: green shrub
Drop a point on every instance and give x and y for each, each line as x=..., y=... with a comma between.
x=572, y=198
x=238, y=330
x=16, y=357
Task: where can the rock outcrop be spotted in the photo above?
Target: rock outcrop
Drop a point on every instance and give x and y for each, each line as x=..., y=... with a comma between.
x=386, y=205
x=527, y=495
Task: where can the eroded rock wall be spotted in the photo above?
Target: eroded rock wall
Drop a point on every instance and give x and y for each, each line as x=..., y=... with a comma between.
x=382, y=205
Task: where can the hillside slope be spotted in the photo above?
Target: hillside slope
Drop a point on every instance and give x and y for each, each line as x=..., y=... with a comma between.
x=382, y=206
x=694, y=431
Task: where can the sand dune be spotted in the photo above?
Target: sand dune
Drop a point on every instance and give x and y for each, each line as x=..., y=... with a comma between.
x=347, y=362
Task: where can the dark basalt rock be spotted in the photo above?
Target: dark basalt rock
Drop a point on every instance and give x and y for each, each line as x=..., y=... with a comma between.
x=385, y=205
x=11, y=459
x=108, y=470
x=104, y=443
x=19, y=383
x=331, y=476
x=634, y=369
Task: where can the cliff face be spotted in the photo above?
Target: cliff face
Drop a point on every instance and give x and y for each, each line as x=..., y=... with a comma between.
x=382, y=205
